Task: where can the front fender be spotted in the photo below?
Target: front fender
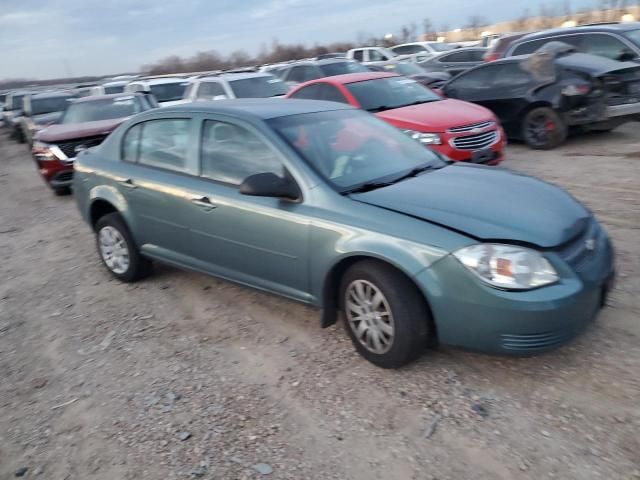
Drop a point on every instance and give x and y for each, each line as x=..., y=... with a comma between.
x=111, y=195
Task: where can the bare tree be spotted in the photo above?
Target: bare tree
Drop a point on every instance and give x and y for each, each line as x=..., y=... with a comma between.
x=404, y=34
x=427, y=29
x=521, y=24
x=475, y=24
x=547, y=17
x=413, y=32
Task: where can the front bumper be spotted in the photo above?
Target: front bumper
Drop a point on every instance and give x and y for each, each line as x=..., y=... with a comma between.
x=56, y=173
x=470, y=314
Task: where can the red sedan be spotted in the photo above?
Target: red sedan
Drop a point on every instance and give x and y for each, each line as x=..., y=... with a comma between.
x=460, y=130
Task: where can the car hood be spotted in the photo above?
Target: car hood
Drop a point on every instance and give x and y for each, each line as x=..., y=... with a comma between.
x=44, y=118
x=487, y=203
x=437, y=116
x=68, y=131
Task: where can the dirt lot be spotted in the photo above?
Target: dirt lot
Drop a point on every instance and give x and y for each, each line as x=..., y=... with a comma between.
x=186, y=376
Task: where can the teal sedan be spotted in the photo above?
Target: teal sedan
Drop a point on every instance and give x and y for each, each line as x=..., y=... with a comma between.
x=330, y=206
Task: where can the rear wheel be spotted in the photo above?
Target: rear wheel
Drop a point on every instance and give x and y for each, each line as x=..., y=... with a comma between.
x=118, y=250
x=543, y=129
x=384, y=313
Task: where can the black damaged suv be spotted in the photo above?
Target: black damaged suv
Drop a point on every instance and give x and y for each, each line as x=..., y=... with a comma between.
x=540, y=97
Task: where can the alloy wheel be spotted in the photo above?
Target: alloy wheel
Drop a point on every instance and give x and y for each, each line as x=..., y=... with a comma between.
x=113, y=249
x=369, y=316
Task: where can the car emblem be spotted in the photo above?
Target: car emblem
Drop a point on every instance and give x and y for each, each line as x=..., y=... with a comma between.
x=590, y=244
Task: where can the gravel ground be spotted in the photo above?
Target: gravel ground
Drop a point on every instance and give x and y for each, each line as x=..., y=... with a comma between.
x=186, y=376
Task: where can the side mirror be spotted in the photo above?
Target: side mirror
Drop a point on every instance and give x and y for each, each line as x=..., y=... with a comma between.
x=627, y=56
x=269, y=185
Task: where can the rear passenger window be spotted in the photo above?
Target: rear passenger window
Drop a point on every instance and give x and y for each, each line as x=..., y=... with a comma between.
x=231, y=153
x=530, y=47
x=131, y=144
x=163, y=144
x=358, y=55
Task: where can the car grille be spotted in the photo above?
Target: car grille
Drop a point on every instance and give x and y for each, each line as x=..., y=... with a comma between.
x=69, y=148
x=536, y=341
x=64, y=176
x=468, y=128
x=475, y=142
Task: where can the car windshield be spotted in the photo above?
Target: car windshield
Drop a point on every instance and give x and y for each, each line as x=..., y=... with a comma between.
x=258, y=87
x=40, y=106
x=634, y=36
x=92, y=111
x=110, y=89
x=341, y=68
x=352, y=149
x=168, y=92
x=388, y=93
x=441, y=47
x=405, y=68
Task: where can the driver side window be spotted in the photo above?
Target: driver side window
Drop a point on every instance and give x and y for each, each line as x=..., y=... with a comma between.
x=230, y=153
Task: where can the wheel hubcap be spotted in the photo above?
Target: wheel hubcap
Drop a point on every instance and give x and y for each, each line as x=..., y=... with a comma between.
x=540, y=128
x=369, y=316
x=113, y=249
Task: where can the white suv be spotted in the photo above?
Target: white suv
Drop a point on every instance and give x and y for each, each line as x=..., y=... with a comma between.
x=235, y=85
x=371, y=54
x=428, y=48
x=167, y=90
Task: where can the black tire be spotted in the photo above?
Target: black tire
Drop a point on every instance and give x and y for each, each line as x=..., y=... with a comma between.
x=543, y=129
x=62, y=191
x=411, y=319
x=138, y=266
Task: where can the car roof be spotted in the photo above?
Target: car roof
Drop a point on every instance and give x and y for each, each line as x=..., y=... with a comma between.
x=263, y=108
x=160, y=81
x=93, y=98
x=595, y=28
x=235, y=76
x=353, y=77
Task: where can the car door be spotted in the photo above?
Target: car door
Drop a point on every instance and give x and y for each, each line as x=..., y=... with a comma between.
x=157, y=160
x=254, y=240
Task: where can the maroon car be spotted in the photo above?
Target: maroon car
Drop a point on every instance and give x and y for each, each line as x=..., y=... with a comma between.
x=85, y=123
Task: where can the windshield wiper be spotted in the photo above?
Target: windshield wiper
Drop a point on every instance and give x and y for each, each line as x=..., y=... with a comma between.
x=379, y=108
x=366, y=187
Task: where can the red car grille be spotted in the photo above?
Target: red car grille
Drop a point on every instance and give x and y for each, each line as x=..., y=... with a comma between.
x=477, y=141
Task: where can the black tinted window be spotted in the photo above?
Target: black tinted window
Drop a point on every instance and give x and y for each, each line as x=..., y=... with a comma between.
x=341, y=68
x=476, y=55
x=358, y=55
x=47, y=105
x=113, y=89
x=304, y=73
x=474, y=79
x=164, y=143
x=168, y=92
x=510, y=75
x=231, y=153
x=259, y=87
x=311, y=92
x=530, y=47
x=456, y=57
x=332, y=94
x=605, y=45
x=93, y=111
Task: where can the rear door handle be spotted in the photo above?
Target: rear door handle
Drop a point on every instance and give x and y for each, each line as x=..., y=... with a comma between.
x=128, y=183
x=203, y=202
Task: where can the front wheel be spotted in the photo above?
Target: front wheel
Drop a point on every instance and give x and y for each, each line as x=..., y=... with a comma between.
x=543, y=129
x=118, y=250
x=385, y=315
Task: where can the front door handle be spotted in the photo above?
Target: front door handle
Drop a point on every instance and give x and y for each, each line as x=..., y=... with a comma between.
x=203, y=202
x=128, y=183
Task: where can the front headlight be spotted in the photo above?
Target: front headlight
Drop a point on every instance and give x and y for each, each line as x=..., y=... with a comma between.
x=507, y=266
x=42, y=151
x=426, y=138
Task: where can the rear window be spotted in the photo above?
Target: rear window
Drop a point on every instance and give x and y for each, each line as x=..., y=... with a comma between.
x=114, y=89
x=441, y=47
x=16, y=101
x=341, y=68
x=168, y=92
x=259, y=87
x=40, y=106
x=118, y=107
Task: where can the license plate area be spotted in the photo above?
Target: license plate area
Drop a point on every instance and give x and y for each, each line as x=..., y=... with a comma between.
x=482, y=156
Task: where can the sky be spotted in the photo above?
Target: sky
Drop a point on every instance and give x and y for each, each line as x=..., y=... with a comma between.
x=43, y=39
